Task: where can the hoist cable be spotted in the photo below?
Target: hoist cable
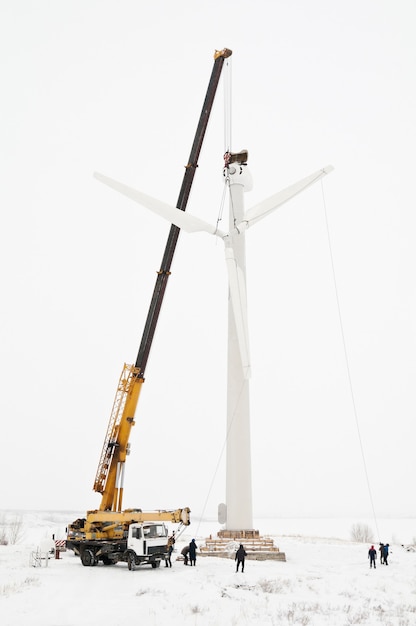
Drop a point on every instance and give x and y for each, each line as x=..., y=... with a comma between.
x=227, y=129
x=231, y=204
x=221, y=210
x=227, y=104
x=344, y=343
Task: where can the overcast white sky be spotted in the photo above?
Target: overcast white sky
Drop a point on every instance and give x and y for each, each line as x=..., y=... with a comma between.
x=118, y=87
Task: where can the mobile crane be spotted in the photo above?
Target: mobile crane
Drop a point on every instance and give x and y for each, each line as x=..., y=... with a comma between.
x=110, y=534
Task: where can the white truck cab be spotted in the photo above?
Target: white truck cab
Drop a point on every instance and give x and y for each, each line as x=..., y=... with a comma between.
x=146, y=543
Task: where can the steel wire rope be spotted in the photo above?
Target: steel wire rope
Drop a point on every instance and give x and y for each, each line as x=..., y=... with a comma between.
x=227, y=129
x=227, y=73
x=228, y=124
x=221, y=209
x=347, y=364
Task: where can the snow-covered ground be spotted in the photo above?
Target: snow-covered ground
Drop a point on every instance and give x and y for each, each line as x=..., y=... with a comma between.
x=326, y=580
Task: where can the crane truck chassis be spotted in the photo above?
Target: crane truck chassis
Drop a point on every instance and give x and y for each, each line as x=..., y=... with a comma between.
x=133, y=536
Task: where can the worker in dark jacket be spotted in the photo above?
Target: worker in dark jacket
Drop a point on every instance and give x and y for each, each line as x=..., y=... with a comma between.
x=372, y=555
x=169, y=548
x=381, y=550
x=240, y=556
x=385, y=553
x=192, y=552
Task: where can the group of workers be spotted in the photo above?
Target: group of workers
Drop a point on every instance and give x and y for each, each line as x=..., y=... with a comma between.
x=189, y=554
x=384, y=555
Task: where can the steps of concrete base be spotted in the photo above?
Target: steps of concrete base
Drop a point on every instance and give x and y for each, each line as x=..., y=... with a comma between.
x=258, y=548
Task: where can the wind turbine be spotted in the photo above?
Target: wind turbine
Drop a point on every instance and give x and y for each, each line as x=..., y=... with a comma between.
x=238, y=511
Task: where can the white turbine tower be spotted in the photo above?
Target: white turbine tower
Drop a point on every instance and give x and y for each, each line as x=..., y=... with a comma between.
x=239, y=514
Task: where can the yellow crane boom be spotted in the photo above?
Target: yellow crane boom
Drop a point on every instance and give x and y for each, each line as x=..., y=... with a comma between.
x=109, y=477
x=110, y=472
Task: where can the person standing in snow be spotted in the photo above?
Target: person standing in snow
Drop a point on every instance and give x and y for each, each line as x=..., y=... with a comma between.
x=385, y=553
x=192, y=552
x=372, y=555
x=171, y=541
x=240, y=556
x=381, y=548
x=185, y=552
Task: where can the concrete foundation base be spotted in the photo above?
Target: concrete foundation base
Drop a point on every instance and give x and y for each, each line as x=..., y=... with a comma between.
x=226, y=543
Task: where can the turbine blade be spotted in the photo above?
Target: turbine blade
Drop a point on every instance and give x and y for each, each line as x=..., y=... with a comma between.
x=183, y=220
x=259, y=211
x=239, y=303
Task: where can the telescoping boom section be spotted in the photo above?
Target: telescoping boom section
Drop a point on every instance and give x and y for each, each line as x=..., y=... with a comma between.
x=110, y=473
x=109, y=478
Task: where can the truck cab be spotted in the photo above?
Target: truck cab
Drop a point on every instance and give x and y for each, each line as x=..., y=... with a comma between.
x=146, y=544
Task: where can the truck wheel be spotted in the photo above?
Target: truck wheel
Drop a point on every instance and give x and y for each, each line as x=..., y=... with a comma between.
x=88, y=558
x=155, y=564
